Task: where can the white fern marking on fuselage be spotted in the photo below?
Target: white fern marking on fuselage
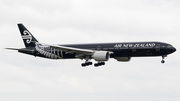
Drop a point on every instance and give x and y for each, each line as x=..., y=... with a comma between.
x=42, y=50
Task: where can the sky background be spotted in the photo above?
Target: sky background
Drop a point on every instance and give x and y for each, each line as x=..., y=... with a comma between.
x=26, y=78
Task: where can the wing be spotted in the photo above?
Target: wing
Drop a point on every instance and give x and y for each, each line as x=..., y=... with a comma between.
x=80, y=53
x=70, y=50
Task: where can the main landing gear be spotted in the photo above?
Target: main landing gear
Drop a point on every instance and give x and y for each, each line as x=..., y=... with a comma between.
x=86, y=64
x=90, y=63
x=162, y=61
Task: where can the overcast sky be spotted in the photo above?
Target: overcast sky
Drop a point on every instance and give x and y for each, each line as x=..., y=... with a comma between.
x=26, y=78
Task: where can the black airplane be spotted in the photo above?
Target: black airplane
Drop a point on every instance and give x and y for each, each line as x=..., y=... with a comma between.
x=100, y=52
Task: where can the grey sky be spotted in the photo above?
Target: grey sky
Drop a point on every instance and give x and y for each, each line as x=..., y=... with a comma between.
x=26, y=78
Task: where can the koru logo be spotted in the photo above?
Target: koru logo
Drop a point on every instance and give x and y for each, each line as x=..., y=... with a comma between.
x=27, y=36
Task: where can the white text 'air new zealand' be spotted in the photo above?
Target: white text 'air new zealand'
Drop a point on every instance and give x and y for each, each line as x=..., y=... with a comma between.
x=99, y=52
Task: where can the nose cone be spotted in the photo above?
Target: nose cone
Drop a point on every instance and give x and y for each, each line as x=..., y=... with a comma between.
x=170, y=49
x=173, y=49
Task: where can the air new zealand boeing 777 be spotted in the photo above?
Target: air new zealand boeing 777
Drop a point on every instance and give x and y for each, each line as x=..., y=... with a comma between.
x=99, y=52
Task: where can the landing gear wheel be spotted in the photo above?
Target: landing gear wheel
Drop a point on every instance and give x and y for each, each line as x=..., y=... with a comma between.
x=88, y=63
x=99, y=64
x=96, y=65
x=103, y=63
x=83, y=65
x=162, y=61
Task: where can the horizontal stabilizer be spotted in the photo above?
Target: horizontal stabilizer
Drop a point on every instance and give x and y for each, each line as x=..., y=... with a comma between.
x=20, y=49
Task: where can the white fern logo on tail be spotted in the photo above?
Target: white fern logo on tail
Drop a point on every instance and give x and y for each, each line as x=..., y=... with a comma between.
x=27, y=36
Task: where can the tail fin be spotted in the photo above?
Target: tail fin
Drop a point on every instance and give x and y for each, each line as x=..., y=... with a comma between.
x=28, y=39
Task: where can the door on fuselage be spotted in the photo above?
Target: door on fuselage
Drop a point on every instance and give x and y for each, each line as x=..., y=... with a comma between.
x=158, y=48
x=98, y=48
x=134, y=51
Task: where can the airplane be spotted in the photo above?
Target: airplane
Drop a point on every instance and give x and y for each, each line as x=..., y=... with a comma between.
x=100, y=52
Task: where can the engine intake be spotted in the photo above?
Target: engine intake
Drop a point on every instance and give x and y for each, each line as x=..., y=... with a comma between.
x=101, y=56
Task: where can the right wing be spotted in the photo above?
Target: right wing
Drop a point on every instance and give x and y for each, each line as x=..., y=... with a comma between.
x=73, y=50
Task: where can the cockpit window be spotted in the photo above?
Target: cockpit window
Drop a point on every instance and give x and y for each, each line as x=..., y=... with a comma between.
x=169, y=46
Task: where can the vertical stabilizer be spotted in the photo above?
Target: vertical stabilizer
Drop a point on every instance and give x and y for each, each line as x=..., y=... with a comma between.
x=28, y=39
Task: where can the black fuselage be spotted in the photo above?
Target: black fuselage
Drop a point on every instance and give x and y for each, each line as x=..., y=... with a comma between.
x=126, y=49
x=130, y=49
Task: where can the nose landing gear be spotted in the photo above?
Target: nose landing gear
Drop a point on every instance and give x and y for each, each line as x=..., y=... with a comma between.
x=162, y=61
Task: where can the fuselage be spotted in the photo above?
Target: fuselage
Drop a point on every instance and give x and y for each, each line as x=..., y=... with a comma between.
x=125, y=49
x=130, y=49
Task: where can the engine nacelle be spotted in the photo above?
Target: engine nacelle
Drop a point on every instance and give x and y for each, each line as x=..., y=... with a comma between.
x=101, y=56
x=123, y=59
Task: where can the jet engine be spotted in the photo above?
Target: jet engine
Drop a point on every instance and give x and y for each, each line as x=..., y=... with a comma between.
x=101, y=56
x=123, y=59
